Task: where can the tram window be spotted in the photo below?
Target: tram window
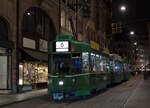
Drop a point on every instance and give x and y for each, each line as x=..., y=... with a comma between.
x=107, y=65
x=85, y=62
x=97, y=63
x=76, y=66
x=93, y=62
x=76, y=63
x=104, y=64
x=111, y=65
x=122, y=67
x=114, y=69
x=125, y=67
x=61, y=64
x=101, y=64
x=117, y=67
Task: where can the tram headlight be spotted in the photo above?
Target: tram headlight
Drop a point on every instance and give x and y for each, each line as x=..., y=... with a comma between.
x=61, y=83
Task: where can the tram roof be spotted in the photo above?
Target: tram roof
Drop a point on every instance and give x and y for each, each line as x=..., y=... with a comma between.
x=77, y=46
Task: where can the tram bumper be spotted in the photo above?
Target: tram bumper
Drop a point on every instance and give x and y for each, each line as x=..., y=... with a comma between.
x=63, y=95
x=61, y=87
x=58, y=96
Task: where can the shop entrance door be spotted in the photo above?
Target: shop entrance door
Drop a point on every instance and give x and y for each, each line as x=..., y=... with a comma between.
x=3, y=72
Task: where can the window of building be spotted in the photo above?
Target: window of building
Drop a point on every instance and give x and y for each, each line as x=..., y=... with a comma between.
x=36, y=24
x=3, y=72
x=3, y=29
x=5, y=57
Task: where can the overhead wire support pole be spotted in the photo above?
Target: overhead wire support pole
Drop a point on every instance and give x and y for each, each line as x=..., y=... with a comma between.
x=59, y=16
x=17, y=44
x=73, y=28
x=76, y=11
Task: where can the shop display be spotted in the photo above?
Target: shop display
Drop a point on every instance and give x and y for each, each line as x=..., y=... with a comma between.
x=32, y=74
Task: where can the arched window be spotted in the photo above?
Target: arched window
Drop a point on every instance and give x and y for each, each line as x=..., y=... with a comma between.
x=36, y=24
x=3, y=29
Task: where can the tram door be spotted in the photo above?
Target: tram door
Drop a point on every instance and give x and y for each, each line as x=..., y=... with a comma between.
x=3, y=72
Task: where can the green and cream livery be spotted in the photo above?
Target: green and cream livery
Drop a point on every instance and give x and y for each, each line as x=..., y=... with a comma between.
x=76, y=68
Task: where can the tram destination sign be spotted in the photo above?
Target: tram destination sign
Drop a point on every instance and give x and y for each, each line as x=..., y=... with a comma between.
x=62, y=46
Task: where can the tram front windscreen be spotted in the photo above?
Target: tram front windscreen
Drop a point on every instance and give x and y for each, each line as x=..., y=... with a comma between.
x=66, y=64
x=61, y=64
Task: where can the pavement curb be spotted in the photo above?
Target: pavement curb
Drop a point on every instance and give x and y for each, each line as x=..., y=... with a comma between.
x=15, y=102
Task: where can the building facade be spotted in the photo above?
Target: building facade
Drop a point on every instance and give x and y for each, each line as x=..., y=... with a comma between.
x=27, y=26
x=122, y=42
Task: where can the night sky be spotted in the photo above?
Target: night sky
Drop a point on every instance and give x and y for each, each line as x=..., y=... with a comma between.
x=136, y=15
x=135, y=8
x=143, y=8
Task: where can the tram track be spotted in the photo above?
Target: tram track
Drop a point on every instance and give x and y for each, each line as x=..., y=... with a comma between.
x=129, y=96
x=133, y=83
x=118, y=96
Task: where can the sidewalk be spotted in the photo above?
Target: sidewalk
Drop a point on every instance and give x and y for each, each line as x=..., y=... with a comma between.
x=14, y=98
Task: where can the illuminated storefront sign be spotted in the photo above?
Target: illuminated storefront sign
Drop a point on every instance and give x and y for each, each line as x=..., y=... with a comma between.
x=62, y=46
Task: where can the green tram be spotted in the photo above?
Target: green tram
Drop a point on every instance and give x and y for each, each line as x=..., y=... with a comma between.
x=119, y=69
x=126, y=70
x=76, y=69
x=116, y=69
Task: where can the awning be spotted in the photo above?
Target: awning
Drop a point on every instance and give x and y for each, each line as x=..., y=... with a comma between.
x=31, y=55
x=7, y=44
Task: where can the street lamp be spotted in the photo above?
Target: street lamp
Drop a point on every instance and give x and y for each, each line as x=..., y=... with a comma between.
x=132, y=33
x=123, y=8
x=28, y=13
x=135, y=43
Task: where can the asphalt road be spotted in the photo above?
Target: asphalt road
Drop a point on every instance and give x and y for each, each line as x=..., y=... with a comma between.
x=120, y=96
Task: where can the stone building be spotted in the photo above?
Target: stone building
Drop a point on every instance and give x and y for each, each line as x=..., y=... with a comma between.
x=91, y=18
x=122, y=43
x=98, y=26
x=27, y=26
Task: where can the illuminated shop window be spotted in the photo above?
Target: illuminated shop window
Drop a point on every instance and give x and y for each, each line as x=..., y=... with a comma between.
x=30, y=74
